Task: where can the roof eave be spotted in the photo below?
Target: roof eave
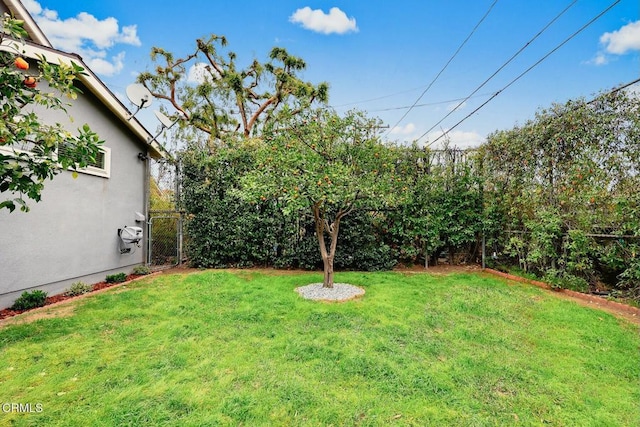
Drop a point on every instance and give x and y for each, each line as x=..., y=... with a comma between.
x=35, y=33
x=98, y=88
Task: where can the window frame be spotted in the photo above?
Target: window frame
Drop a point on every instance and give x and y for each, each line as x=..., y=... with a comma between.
x=103, y=172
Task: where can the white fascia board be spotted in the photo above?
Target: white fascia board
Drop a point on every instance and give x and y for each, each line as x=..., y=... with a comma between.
x=35, y=33
x=97, y=87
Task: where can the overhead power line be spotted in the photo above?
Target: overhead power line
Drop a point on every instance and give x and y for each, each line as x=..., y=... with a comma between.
x=524, y=72
x=376, y=98
x=526, y=45
x=618, y=89
x=445, y=65
x=428, y=104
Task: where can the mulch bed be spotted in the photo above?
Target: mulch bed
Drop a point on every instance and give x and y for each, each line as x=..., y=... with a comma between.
x=8, y=312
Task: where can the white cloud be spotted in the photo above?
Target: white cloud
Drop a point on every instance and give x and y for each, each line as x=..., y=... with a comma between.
x=32, y=6
x=200, y=72
x=87, y=36
x=336, y=21
x=403, y=130
x=107, y=68
x=456, y=138
x=456, y=106
x=600, y=59
x=129, y=35
x=623, y=40
x=619, y=42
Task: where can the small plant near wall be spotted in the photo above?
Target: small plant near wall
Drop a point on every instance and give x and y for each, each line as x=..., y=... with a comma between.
x=30, y=300
x=141, y=270
x=78, y=288
x=116, y=278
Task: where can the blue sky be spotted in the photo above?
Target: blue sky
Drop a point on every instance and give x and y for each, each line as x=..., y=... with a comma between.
x=379, y=56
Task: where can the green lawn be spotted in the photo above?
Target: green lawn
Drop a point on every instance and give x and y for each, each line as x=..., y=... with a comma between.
x=222, y=348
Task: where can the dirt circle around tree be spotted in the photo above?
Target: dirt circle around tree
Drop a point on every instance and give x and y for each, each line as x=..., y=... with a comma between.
x=339, y=293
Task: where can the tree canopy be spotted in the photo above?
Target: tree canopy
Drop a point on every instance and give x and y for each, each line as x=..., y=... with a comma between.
x=327, y=165
x=220, y=98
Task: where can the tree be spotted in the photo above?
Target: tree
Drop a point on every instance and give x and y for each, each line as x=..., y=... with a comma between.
x=34, y=151
x=220, y=100
x=327, y=165
x=565, y=178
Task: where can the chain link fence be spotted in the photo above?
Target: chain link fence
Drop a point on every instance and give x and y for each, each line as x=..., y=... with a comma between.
x=165, y=238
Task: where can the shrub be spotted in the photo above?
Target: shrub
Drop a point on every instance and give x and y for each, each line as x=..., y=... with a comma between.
x=116, y=278
x=141, y=270
x=78, y=288
x=29, y=300
x=359, y=245
x=562, y=280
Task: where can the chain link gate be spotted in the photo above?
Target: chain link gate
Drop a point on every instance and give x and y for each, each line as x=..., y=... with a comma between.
x=165, y=238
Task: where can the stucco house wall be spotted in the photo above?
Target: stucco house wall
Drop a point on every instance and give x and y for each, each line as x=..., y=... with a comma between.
x=71, y=235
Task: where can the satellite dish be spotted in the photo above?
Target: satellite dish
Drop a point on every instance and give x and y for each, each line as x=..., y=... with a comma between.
x=139, y=96
x=166, y=121
x=166, y=124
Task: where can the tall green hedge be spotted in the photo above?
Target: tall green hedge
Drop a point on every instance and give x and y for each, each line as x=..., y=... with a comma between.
x=443, y=216
x=225, y=231
x=547, y=196
x=566, y=186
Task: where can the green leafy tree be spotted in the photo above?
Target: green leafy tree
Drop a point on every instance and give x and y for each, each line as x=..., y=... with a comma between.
x=221, y=100
x=327, y=165
x=565, y=178
x=32, y=150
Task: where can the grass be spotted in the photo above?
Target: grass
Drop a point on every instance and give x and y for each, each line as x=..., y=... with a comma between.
x=223, y=348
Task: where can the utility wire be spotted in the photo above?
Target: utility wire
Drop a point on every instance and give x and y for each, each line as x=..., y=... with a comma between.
x=445, y=66
x=377, y=98
x=618, y=89
x=523, y=73
x=526, y=45
x=428, y=103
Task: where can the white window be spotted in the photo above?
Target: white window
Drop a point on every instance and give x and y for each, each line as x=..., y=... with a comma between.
x=101, y=167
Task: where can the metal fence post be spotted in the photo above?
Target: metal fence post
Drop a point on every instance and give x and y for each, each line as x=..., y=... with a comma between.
x=484, y=250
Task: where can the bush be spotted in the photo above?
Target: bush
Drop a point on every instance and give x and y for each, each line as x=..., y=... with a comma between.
x=359, y=245
x=562, y=280
x=225, y=231
x=78, y=288
x=30, y=300
x=141, y=270
x=116, y=278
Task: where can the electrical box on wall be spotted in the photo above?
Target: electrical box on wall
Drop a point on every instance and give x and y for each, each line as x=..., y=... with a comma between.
x=130, y=235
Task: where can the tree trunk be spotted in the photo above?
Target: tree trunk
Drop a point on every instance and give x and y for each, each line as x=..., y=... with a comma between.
x=328, y=272
x=322, y=226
